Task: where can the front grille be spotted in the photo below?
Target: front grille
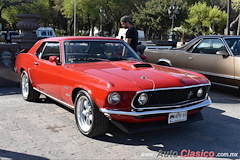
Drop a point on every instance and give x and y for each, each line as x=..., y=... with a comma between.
x=169, y=97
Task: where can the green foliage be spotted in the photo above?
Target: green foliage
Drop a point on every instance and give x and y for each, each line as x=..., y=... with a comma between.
x=206, y=19
x=236, y=5
x=100, y=12
x=153, y=17
x=149, y=15
x=40, y=7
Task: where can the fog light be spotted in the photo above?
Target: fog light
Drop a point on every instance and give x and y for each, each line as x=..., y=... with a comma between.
x=200, y=92
x=113, y=98
x=143, y=98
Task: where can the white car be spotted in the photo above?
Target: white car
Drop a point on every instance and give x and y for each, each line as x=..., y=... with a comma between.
x=45, y=32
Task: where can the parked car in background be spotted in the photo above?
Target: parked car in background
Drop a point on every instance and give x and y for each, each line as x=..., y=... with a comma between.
x=144, y=44
x=103, y=80
x=217, y=57
x=45, y=32
x=12, y=33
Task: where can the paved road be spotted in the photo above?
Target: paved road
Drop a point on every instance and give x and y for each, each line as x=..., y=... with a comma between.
x=46, y=130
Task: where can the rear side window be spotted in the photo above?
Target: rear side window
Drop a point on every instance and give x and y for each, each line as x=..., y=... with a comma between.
x=234, y=45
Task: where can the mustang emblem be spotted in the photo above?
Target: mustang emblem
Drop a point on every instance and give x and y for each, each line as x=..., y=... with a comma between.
x=190, y=94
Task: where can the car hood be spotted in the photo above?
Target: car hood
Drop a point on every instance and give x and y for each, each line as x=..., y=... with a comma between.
x=144, y=75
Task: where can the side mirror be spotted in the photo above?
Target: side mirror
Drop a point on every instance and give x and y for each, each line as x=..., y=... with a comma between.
x=223, y=53
x=54, y=59
x=143, y=56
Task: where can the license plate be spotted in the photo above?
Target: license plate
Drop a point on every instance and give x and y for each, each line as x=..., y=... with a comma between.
x=177, y=117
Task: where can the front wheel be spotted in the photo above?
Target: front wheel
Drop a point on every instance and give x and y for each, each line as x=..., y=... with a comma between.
x=90, y=121
x=28, y=93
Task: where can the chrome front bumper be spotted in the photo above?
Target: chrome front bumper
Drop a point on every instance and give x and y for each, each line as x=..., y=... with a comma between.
x=142, y=113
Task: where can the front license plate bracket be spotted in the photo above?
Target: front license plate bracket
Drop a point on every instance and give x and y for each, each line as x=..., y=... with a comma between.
x=176, y=117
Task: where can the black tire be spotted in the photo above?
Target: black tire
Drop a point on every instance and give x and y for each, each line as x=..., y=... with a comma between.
x=28, y=93
x=90, y=121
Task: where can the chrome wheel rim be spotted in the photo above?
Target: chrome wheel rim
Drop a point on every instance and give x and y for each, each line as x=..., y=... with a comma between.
x=84, y=113
x=25, y=86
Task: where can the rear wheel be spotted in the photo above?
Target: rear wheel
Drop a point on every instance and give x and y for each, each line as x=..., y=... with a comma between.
x=28, y=93
x=90, y=121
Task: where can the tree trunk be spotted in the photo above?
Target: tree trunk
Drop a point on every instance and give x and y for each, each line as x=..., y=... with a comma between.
x=183, y=38
x=228, y=17
x=238, y=29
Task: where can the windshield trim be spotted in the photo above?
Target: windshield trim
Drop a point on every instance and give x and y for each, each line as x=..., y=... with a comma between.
x=93, y=40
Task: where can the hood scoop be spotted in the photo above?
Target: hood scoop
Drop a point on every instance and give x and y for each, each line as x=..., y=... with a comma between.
x=142, y=65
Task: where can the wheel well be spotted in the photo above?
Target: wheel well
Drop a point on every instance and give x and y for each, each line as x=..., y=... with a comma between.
x=21, y=70
x=74, y=93
x=163, y=63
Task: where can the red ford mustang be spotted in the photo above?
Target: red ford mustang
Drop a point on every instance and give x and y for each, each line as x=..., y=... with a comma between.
x=104, y=81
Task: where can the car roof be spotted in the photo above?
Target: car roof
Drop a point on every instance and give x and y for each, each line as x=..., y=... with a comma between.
x=78, y=38
x=218, y=36
x=196, y=39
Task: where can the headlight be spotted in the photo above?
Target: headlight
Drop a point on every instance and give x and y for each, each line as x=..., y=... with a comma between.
x=143, y=98
x=200, y=92
x=113, y=98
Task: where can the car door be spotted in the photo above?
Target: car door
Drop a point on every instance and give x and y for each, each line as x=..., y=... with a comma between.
x=203, y=58
x=46, y=74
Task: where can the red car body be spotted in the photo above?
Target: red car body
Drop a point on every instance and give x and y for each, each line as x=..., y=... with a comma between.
x=124, y=91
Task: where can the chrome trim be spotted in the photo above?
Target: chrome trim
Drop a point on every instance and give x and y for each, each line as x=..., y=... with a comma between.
x=134, y=113
x=237, y=78
x=55, y=99
x=203, y=38
x=97, y=40
x=169, y=106
x=30, y=76
x=170, y=88
x=165, y=60
x=214, y=74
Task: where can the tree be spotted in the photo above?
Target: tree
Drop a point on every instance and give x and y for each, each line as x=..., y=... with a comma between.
x=206, y=19
x=40, y=7
x=50, y=12
x=56, y=17
x=115, y=9
x=236, y=8
x=96, y=13
x=88, y=11
x=153, y=17
x=5, y=4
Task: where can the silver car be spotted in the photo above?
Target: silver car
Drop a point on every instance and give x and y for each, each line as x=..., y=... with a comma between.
x=217, y=57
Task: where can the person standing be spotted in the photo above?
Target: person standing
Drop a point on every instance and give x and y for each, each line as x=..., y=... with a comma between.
x=132, y=33
x=8, y=38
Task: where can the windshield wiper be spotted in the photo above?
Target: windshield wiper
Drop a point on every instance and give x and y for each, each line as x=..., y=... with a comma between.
x=89, y=59
x=118, y=58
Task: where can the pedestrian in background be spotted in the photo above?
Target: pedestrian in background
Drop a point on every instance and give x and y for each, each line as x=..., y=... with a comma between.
x=8, y=38
x=132, y=33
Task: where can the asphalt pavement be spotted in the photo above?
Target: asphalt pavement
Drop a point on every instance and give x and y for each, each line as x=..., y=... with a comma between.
x=47, y=130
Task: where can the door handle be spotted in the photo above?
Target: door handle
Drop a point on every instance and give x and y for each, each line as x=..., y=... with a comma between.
x=190, y=58
x=36, y=63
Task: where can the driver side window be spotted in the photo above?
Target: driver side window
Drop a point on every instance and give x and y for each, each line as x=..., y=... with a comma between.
x=209, y=46
x=48, y=49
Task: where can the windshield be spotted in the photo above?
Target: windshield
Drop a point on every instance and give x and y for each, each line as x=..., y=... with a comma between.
x=234, y=45
x=95, y=51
